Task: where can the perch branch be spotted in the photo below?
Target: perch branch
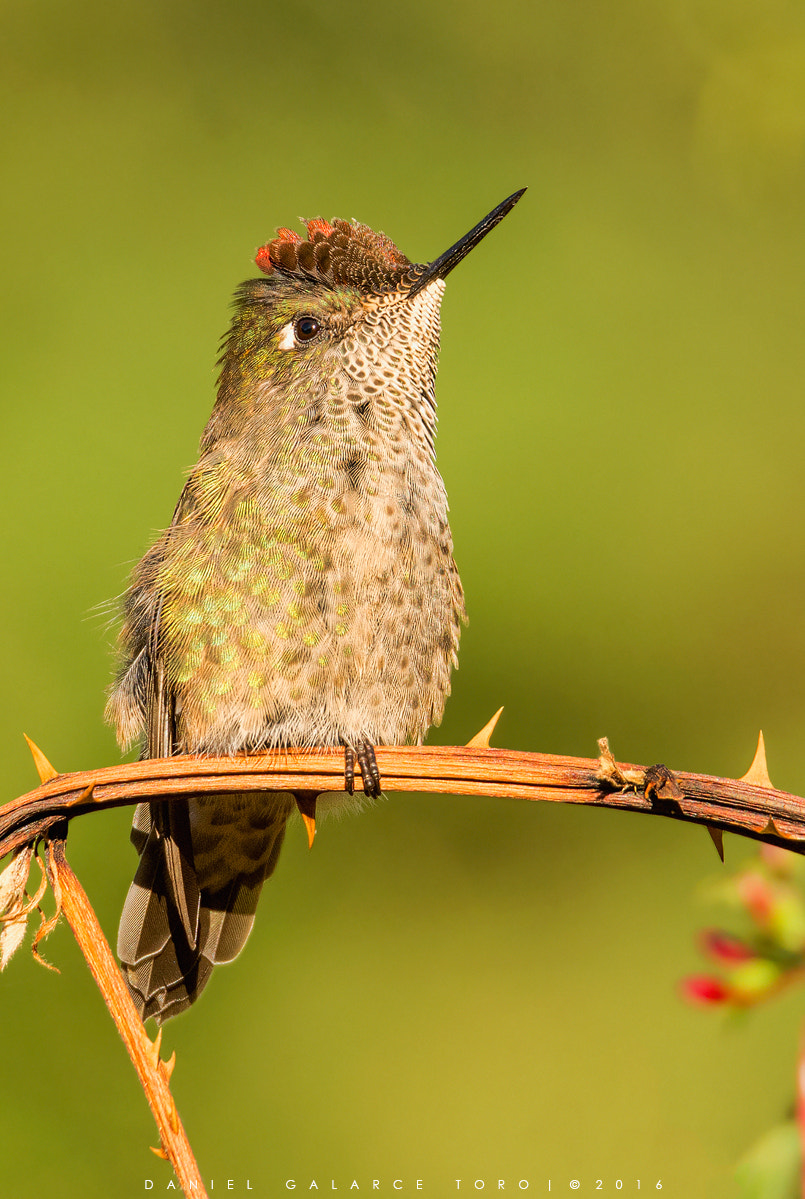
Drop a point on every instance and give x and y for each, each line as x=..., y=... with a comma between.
x=749, y=806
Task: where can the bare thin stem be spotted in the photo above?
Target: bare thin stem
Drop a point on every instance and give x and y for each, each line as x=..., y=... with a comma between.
x=144, y=1053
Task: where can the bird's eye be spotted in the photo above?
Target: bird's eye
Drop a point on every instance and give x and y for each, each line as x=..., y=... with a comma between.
x=306, y=328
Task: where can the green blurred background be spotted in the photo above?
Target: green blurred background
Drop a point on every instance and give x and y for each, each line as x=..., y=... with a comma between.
x=445, y=988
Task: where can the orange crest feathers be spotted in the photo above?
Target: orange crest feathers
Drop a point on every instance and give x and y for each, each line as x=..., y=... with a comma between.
x=339, y=252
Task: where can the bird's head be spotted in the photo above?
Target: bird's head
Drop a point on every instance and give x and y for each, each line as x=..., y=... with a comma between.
x=341, y=310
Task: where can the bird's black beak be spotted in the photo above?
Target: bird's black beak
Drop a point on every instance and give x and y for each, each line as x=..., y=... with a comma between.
x=441, y=267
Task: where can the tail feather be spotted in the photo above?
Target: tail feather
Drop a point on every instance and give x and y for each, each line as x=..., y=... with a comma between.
x=192, y=903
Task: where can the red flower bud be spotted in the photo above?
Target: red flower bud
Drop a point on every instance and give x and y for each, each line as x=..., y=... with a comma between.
x=724, y=948
x=704, y=989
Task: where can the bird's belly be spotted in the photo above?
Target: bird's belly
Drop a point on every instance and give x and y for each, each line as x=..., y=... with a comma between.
x=328, y=634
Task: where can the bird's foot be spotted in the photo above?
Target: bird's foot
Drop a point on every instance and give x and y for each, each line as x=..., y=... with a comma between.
x=365, y=754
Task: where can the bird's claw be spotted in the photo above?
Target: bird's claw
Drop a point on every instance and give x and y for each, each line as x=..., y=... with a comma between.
x=365, y=754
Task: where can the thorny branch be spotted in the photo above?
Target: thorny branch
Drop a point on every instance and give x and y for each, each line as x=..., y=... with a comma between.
x=749, y=806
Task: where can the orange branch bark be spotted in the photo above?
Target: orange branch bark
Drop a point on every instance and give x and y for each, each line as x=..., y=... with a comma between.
x=732, y=805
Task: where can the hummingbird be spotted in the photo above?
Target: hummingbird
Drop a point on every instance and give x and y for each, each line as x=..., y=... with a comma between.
x=305, y=592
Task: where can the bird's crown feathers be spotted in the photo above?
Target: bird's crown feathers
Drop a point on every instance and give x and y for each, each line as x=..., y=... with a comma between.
x=339, y=252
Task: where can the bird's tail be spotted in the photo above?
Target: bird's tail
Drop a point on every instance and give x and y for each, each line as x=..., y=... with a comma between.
x=191, y=906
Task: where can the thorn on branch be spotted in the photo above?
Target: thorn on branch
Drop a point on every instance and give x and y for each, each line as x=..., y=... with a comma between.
x=153, y=1050
x=306, y=803
x=758, y=772
x=87, y=794
x=484, y=736
x=717, y=837
x=44, y=769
